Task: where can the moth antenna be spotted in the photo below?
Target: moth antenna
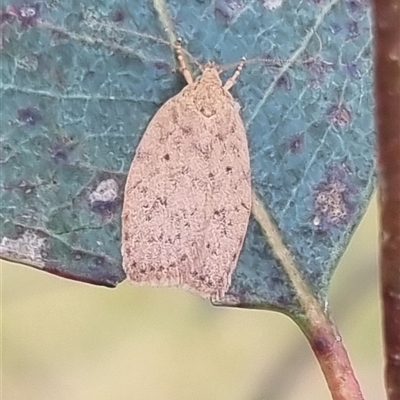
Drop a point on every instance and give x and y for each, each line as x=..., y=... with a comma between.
x=270, y=62
x=231, y=81
x=182, y=63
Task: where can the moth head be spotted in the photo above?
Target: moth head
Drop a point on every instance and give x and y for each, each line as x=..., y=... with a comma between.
x=211, y=72
x=211, y=65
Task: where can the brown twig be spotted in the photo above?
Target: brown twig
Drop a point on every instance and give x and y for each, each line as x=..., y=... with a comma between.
x=387, y=94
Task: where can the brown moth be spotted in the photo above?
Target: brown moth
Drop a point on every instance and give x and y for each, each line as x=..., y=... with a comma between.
x=188, y=192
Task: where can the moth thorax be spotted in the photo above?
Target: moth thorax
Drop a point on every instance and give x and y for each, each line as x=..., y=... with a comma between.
x=207, y=98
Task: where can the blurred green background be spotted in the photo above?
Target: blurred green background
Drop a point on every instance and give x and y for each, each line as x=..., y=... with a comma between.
x=68, y=340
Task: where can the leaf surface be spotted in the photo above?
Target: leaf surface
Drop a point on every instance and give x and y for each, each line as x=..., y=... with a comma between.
x=81, y=80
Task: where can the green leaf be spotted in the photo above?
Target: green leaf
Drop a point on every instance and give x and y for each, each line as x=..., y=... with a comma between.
x=81, y=80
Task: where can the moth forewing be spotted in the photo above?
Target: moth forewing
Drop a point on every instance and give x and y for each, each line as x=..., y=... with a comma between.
x=188, y=191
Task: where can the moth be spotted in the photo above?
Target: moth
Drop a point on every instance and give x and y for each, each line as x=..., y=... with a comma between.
x=187, y=198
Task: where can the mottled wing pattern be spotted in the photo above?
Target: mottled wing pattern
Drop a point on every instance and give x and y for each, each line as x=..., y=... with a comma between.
x=188, y=197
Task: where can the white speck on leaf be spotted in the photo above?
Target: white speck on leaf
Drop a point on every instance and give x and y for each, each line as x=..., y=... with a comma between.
x=106, y=191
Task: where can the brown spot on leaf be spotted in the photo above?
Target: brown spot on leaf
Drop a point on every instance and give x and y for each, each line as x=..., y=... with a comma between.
x=6, y=16
x=29, y=115
x=339, y=115
x=353, y=31
x=296, y=143
x=318, y=69
x=60, y=149
x=117, y=16
x=284, y=82
x=333, y=204
x=226, y=9
x=27, y=14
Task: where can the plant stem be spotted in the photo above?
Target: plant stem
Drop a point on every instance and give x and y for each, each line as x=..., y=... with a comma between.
x=332, y=357
x=387, y=94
